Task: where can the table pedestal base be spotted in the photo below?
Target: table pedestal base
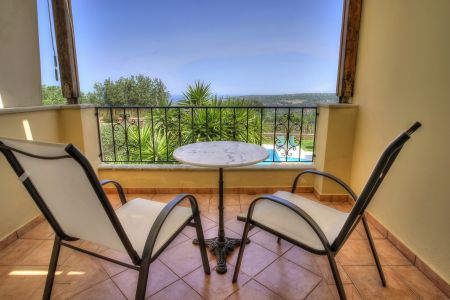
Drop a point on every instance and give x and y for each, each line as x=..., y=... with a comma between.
x=221, y=249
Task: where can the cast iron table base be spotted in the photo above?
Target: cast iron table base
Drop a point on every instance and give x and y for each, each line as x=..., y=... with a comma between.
x=221, y=250
x=221, y=246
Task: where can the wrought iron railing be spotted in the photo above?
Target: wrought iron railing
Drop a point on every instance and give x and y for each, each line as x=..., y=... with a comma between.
x=151, y=134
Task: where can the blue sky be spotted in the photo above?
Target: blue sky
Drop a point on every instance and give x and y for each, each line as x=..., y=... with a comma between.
x=239, y=46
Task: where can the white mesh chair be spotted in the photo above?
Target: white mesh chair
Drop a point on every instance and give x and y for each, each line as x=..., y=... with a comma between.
x=313, y=226
x=65, y=188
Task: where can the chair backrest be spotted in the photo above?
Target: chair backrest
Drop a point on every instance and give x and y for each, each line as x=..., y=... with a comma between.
x=376, y=178
x=65, y=188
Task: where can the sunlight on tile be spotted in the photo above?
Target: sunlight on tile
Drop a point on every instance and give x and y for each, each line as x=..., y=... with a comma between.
x=31, y=273
x=75, y=273
x=42, y=273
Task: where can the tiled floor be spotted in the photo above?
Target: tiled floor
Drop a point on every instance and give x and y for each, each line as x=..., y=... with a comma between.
x=269, y=270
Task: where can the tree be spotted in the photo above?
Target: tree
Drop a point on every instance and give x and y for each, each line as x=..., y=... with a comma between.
x=52, y=95
x=137, y=90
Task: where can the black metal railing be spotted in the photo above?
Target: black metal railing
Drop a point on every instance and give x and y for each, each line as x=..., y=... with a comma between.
x=151, y=134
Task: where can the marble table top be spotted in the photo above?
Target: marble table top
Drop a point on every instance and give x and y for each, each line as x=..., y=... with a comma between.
x=221, y=154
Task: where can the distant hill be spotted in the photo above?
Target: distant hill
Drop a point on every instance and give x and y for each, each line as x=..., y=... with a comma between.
x=293, y=99
x=279, y=100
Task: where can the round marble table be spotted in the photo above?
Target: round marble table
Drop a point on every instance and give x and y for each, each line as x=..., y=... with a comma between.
x=221, y=155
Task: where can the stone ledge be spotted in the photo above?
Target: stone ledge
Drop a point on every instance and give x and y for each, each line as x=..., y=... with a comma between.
x=27, y=109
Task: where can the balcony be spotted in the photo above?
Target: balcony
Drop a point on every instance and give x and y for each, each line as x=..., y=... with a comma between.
x=270, y=269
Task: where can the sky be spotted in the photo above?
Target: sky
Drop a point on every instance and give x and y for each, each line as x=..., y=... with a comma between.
x=240, y=47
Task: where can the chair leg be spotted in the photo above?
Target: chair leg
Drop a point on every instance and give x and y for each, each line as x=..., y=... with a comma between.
x=142, y=281
x=278, y=240
x=201, y=243
x=52, y=268
x=336, y=276
x=241, y=251
x=374, y=251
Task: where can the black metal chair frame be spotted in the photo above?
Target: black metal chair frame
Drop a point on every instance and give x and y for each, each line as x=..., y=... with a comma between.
x=141, y=264
x=357, y=213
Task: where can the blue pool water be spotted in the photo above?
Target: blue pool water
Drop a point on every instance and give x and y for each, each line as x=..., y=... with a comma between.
x=274, y=157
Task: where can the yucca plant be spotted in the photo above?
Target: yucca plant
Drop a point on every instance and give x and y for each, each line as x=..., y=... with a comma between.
x=149, y=146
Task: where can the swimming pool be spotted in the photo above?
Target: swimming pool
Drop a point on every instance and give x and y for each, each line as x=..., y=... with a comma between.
x=275, y=157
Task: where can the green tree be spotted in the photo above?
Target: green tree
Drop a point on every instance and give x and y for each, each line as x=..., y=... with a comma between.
x=52, y=95
x=136, y=90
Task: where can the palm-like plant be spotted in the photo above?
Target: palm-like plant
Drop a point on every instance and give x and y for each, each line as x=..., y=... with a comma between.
x=149, y=145
x=198, y=94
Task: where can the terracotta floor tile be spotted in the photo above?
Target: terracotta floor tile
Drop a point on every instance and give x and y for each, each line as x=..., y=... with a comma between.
x=389, y=254
x=238, y=227
x=342, y=206
x=114, y=199
x=41, y=254
x=317, y=264
x=269, y=241
x=325, y=269
x=254, y=290
x=246, y=200
x=177, y=290
x=325, y=292
x=418, y=282
x=16, y=252
x=230, y=211
x=376, y=234
x=42, y=231
x=182, y=258
x=367, y=281
x=180, y=238
x=288, y=280
x=203, y=201
x=255, y=259
x=304, y=259
x=78, y=273
x=207, y=224
x=214, y=286
x=110, y=267
x=351, y=292
x=358, y=253
x=93, y=247
x=321, y=292
x=22, y=282
x=159, y=277
x=104, y=290
x=229, y=200
x=163, y=197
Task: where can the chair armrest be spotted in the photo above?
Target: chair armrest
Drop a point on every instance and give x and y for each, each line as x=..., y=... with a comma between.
x=159, y=222
x=327, y=175
x=300, y=212
x=119, y=188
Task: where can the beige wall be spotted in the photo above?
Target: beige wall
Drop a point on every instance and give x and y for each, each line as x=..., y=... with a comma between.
x=334, y=145
x=403, y=75
x=49, y=125
x=202, y=178
x=20, y=78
